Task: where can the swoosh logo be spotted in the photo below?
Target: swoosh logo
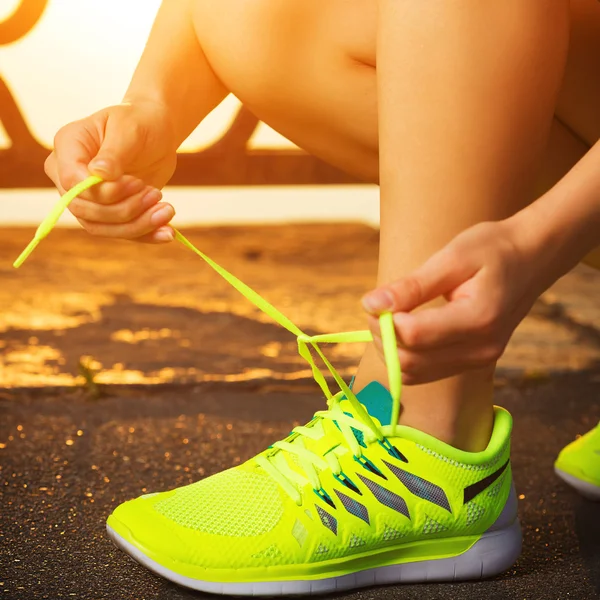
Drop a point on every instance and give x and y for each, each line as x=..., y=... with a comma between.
x=476, y=488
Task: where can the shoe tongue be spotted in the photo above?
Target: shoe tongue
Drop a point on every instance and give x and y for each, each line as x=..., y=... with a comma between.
x=378, y=402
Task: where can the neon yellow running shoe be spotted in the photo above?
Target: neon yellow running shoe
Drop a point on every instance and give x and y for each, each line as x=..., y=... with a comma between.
x=578, y=464
x=344, y=502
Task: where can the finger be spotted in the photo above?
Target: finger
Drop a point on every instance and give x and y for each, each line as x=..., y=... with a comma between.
x=433, y=327
x=73, y=149
x=434, y=365
x=151, y=220
x=111, y=192
x=67, y=166
x=120, y=212
x=444, y=271
x=375, y=327
x=456, y=321
x=164, y=235
x=51, y=170
x=107, y=193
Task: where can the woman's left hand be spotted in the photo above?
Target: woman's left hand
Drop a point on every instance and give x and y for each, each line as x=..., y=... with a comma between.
x=489, y=276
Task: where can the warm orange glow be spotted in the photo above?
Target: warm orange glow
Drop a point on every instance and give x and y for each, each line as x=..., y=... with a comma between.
x=7, y=8
x=80, y=57
x=4, y=139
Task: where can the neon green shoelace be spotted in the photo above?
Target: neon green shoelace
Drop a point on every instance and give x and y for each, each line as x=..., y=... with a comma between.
x=311, y=463
x=362, y=421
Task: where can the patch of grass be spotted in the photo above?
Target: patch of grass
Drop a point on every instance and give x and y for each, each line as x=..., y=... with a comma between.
x=84, y=366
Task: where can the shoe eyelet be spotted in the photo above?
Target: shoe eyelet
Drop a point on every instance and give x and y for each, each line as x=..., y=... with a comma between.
x=392, y=450
x=347, y=482
x=323, y=495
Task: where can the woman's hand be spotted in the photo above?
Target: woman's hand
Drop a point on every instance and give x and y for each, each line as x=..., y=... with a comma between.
x=490, y=278
x=132, y=147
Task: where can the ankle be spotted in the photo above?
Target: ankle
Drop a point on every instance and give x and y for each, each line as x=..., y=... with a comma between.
x=458, y=410
x=465, y=423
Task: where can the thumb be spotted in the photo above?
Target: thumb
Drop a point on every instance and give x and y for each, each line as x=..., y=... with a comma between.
x=121, y=144
x=443, y=272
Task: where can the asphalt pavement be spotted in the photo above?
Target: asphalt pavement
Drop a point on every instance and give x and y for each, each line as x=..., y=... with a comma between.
x=126, y=369
x=68, y=459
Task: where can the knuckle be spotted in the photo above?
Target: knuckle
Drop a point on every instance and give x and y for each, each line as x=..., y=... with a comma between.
x=408, y=363
x=128, y=212
x=135, y=127
x=104, y=197
x=131, y=231
x=406, y=292
x=76, y=209
x=411, y=335
x=487, y=320
x=122, y=214
x=408, y=379
x=413, y=290
x=49, y=165
x=495, y=351
x=63, y=133
x=59, y=136
x=95, y=229
x=92, y=228
x=490, y=353
x=67, y=179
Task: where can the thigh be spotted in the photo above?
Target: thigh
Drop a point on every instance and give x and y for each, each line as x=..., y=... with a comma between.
x=579, y=99
x=304, y=67
x=576, y=125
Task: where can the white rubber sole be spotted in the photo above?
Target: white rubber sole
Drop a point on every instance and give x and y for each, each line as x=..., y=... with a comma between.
x=588, y=490
x=491, y=555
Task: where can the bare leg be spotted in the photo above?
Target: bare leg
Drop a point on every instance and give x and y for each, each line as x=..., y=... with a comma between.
x=477, y=93
x=478, y=88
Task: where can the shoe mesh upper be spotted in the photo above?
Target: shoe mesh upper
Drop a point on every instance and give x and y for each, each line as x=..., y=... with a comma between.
x=474, y=513
x=236, y=502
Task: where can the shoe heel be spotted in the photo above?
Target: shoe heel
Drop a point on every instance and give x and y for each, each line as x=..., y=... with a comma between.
x=495, y=552
x=491, y=555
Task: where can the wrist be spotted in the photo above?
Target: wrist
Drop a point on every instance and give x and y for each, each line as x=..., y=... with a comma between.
x=171, y=109
x=554, y=235
x=158, y=112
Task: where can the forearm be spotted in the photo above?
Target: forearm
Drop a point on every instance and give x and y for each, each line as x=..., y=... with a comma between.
x=174, y=72
x=564, y=224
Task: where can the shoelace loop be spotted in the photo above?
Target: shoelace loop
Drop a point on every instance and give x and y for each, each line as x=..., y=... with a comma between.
x=310, y=462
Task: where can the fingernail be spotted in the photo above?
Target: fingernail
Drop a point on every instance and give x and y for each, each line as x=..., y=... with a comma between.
x=151, y=198
x=163, y=215
x=164, y=235
x=100, y=165
x=378, y=301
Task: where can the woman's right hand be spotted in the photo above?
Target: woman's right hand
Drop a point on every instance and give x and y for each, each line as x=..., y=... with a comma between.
x=132, y=147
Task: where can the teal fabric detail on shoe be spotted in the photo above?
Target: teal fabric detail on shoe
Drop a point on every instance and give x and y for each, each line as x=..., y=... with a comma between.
x=360, y=438
x=378, y=401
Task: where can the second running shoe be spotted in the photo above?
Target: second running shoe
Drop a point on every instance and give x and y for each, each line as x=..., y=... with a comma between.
x=578, y=464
